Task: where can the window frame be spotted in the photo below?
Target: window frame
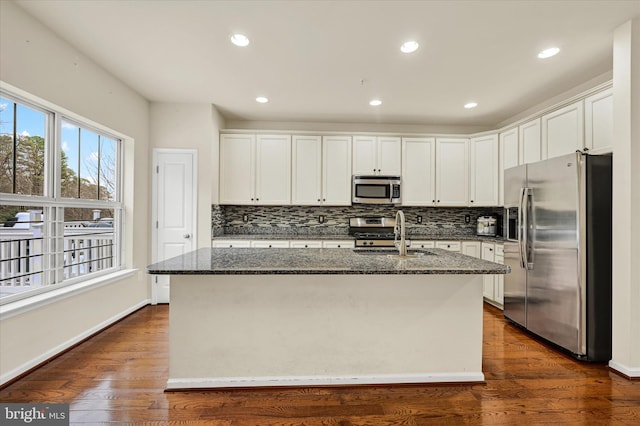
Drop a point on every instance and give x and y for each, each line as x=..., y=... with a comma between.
x=51, y=199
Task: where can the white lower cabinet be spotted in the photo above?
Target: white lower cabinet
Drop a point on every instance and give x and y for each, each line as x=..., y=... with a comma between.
x=270, y=244
x=493, y=285
x=338, y=244
x=471, y=248
x=231, y=243
x=305, y=244
x=419, y=244
x=449, y=245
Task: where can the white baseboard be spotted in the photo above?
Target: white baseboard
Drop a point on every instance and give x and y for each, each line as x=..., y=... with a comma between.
x=69, y=343
x=237, y=382
x=632, y=372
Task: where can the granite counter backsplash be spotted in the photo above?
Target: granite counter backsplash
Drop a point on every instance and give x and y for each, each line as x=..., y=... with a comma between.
x=303, y=220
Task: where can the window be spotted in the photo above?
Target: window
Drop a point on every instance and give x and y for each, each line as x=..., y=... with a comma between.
x=60, y=199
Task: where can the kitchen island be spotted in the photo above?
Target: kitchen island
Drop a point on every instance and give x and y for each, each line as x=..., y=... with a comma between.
x=300, y=317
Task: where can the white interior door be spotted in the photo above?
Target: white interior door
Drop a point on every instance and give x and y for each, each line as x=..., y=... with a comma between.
x=175, y=198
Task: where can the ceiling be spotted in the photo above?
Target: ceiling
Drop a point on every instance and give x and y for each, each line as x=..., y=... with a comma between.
x=323, y=61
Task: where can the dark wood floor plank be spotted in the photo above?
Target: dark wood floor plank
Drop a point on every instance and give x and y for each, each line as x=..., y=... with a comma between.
x=118, y=377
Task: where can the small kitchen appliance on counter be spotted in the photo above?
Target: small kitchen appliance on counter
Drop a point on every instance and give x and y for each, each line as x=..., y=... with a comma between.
x=487, y=225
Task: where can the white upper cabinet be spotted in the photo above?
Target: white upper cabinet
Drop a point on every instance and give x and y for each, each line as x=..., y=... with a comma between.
x=530, y=145
x=273, y=169
x=418, y=171
x=376, y=155
x=483, y=187
x=321, y=170
x=255, y=170
x=237, y=169
x=598, y=122
x=562, y=131
x=306, y=183
x=452, y=171
x=508, y=157
x=336, y=170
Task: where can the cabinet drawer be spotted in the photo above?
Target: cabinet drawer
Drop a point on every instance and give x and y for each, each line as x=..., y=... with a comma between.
x=305, y=244
x=338, y=244
x=449, y=245
x=417, y=244
x=231, y=243
x=269, y=244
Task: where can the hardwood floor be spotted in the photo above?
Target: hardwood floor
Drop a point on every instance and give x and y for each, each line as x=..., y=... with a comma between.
x=118, y=377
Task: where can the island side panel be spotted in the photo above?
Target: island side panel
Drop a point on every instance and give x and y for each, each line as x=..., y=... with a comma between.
x=262, y=330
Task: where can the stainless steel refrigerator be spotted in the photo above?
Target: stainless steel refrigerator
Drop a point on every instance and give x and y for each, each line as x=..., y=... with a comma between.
x=558, y=245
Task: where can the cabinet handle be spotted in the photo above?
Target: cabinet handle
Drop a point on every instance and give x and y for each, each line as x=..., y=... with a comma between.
x=438, y=200
x=324, y=199
x=318, y=199
x=305, y=246
x=339, y=246
x=252, y=199
x=472, y=201
x=269, y=245
x=433, y=201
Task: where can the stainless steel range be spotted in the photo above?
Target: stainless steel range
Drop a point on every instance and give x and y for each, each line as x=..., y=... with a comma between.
x=372, y=231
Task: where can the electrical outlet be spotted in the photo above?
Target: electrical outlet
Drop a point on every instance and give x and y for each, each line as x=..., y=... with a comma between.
x=245, y=218
x=467, y=218
x=419, y=219
x=321, y=218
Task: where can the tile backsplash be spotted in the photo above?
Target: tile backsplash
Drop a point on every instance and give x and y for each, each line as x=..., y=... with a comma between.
x=304, y=220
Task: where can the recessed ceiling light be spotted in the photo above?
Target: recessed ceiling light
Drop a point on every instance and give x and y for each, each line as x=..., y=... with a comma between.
x=409, y=46
x=262, y=99
x=240, y=40
x=375, y=102
x=470, y=105
x=547, y=53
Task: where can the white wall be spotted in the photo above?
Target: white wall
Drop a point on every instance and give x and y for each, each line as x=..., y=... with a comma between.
x=191, y=126
x=626, y=199
x=37, y=61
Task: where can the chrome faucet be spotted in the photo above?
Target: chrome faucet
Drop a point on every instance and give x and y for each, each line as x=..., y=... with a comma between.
x=399, y=231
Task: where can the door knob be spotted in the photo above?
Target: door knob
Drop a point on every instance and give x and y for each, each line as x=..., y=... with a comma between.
x=187, y=235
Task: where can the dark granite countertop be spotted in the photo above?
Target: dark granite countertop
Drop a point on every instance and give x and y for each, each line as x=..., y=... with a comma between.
x=323, y=237
x=251, y=261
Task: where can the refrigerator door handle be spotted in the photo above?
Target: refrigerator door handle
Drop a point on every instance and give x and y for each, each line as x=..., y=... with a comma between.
x=521, y=228
x=528, y=263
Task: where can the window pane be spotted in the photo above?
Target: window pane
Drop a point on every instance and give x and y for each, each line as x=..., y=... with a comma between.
x=88, y=164
x=22, y=249
x=88, y=241
x=22, y=150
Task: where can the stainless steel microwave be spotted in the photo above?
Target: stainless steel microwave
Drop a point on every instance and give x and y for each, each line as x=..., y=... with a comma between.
x=376, y=190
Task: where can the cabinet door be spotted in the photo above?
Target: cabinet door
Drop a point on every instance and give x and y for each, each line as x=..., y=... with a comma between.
x=488, y=281
x=336, y=170
x=389, y=156
x=562, y=131
x=418, y=171
x=452, y=172
x=273, y=169
x=471, y=248
x=498, y=283
x=529, y=135
x=364, y=155
x=237, y=169
x=598, y=122
x=508, y=157
x=306, y=179
x=483, y=190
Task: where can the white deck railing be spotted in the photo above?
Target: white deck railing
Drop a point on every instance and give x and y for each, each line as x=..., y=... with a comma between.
x=22, y=255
